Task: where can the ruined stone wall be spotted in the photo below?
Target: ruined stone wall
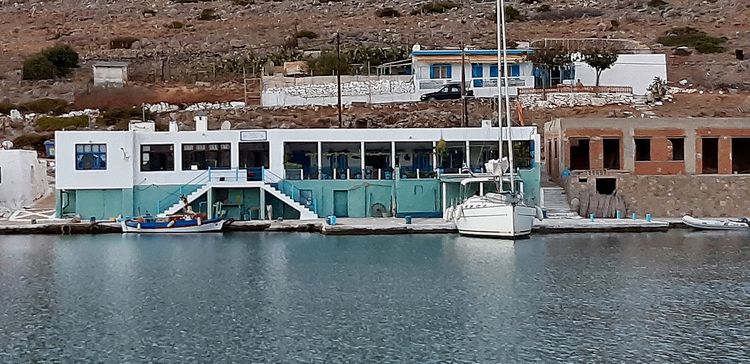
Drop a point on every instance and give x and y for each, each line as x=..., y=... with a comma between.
x=667, y=196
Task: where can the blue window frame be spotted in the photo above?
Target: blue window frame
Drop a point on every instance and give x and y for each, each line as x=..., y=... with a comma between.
x=476, y=73
x=515, y=70
x=440, y=71
x=91, y=157
x=493, y=71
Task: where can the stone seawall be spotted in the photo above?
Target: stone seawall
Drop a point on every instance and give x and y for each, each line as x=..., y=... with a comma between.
x=666, y=196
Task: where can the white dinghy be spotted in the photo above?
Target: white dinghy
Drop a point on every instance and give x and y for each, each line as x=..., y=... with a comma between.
x=726, y=224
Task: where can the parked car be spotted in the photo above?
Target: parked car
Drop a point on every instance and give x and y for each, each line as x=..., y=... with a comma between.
x=450, y=91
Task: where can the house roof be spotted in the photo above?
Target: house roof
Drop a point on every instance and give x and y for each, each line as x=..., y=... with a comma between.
x=457, y=52
x=114, y=64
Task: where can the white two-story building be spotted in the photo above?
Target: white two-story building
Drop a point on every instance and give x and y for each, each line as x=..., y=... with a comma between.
x=301, y=173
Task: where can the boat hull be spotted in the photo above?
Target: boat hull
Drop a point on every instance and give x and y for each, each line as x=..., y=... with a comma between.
x=714, y=224
x=502, y=221
x=129, y=226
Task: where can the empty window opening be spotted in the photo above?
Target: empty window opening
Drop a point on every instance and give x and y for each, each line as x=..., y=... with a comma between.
x=157, y=157
x=710, y=152
x=740, y=153
x=678, y=148
x=612, y=153
x=583, y=179
x=642, y=149
x=606, y=186
x=579, y=154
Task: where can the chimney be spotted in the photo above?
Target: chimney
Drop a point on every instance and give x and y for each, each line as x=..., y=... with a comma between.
x=201, y=121
x=173, y=128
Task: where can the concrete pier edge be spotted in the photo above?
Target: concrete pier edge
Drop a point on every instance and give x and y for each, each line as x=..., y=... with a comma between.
x=366, y=226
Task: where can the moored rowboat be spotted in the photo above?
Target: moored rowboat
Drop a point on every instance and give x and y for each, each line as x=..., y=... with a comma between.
x=173, y=226
x=727, y=224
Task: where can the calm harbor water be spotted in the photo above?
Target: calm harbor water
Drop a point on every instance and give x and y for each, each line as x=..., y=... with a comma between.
x=265, y=297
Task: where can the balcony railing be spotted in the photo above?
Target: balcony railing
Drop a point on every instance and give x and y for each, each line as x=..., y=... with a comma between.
x=518, y=81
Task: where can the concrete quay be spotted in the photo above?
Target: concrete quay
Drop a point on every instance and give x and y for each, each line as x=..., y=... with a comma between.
x=358, y=226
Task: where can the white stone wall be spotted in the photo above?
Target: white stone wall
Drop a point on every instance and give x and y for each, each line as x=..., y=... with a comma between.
x=557, y=100
x=23, y=178
x=355, y=88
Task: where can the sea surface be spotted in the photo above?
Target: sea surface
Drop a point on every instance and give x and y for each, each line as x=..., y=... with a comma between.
x=279, y=297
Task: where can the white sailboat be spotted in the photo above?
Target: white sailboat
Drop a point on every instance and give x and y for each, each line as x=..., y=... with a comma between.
x=501, y=213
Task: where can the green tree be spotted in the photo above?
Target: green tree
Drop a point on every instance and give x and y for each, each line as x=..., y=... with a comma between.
x=600, y=59
x=38, y=67
x=548, y=58
x=64, y=57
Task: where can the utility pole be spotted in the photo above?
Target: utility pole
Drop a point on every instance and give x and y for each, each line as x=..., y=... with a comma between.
x=244, y=83
x=338, y=73
x=464, y=121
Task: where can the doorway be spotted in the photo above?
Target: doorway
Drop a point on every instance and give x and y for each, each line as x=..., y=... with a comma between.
x=612, y=153
x=341, y=203
x=740, y=151
x=710, y=155
x=579, y=154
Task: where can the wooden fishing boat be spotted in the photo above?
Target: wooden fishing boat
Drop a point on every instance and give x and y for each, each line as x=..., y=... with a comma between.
x=173, y=226
x=726, y=224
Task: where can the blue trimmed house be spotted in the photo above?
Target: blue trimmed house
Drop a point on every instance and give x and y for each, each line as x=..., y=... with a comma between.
x=434, y=68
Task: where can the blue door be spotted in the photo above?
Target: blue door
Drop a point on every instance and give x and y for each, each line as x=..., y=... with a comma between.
x=477, y=73
x=341, y=203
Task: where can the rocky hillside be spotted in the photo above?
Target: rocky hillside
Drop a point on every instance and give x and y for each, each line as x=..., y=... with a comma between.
x=189, y=30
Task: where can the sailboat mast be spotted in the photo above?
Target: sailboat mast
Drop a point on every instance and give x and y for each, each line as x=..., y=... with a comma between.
x=501, y=17
x=499, y=88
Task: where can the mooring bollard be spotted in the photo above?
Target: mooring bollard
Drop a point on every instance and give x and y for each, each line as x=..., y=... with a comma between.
x=634, y=217
x=618, y=214
x=592, y=217
x=407, y=220
x=92, y=219
x=648, y=217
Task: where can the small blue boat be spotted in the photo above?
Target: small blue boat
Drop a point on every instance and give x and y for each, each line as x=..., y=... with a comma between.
x=173, y=226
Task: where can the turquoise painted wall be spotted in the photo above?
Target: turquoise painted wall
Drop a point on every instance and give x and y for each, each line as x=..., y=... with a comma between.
x=101, y=204
x=532, y=183
x=421, y=196
x=413, y=196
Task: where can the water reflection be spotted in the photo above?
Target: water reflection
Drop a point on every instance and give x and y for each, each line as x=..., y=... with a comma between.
x=674, y=296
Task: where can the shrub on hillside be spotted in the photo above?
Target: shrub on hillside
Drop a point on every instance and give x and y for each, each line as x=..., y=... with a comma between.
x=50, y=63
x=32, y=141
x=45, y=106
x=121, y=116
x=52, y=123
x=435, y=7
x=309, y=34
x=544, y=8
x=64, y=57
x=38, y=67
x=208, y=14
x=657, y=3
x=6, y=107
x=694, y=38
x=569, y=13
x=176, y=25
x=512, y=14
x=122, y=42
x=387, y=13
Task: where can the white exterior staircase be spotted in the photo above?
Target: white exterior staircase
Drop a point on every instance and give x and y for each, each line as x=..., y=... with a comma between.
x=555, y=201
x=190, y=197
x=305, y=213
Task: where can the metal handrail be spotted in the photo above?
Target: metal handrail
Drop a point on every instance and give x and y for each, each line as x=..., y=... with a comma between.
x=175, y=196
x=289, y=189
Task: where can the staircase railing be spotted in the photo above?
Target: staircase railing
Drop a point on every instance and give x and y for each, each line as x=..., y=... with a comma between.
x=290, y=190
x=183, y=190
